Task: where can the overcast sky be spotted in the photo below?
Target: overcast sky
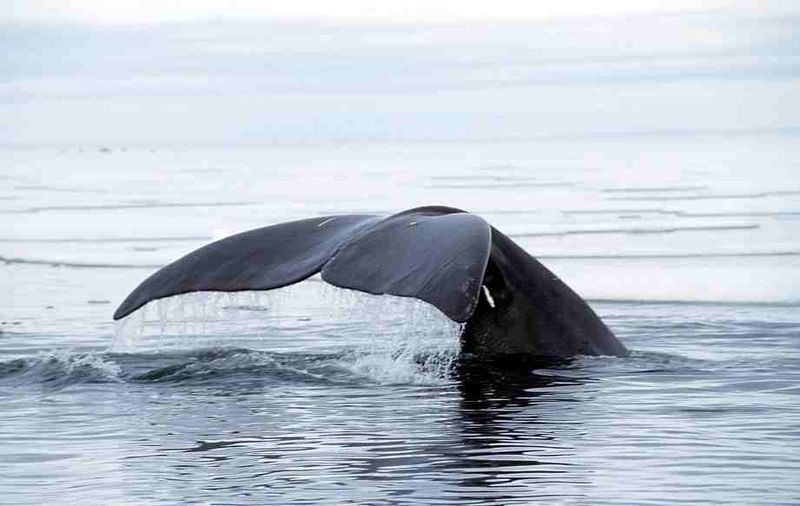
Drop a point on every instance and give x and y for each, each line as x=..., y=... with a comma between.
x=138, y=11
x=84, y=72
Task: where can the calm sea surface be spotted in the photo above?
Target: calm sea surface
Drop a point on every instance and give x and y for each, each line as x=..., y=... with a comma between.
x=687, y=246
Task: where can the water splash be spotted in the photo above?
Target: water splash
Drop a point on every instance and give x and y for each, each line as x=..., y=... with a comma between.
x=385, y=338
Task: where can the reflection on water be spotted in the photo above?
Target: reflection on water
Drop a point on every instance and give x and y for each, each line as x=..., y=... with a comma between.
x=506, y=446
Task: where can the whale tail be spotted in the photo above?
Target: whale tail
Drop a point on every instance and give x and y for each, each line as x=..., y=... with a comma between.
x=454, y=260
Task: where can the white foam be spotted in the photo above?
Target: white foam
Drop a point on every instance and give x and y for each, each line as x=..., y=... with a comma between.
x=423, y=366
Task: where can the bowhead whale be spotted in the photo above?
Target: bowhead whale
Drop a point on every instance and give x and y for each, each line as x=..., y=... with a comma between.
x=510, y=304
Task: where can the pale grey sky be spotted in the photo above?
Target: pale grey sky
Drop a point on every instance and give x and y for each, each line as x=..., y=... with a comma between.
x=138, y=11
x=265, y=78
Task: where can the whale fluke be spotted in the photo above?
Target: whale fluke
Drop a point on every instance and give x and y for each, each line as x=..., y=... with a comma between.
x=509, y=302
x=435, y=256
x=260, y=259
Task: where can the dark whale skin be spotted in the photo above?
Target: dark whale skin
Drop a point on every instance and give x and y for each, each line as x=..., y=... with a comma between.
x=510, y=304
x=534, y=314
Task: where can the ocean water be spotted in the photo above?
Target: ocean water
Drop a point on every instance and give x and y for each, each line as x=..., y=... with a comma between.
x=688, y=246
x=650, y=159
